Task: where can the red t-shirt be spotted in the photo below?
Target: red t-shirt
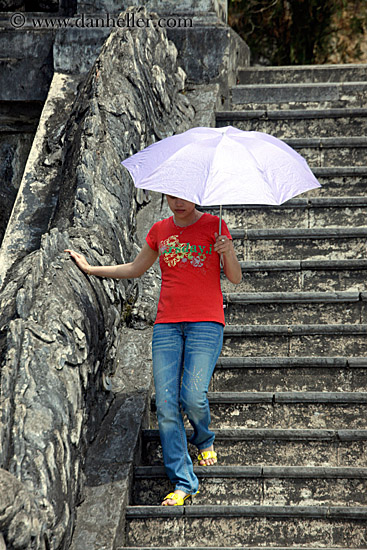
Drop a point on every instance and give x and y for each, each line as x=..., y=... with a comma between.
x=190, y=269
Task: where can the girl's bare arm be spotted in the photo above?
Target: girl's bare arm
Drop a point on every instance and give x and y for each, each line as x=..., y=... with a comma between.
x=231, y=265
x=143, y=261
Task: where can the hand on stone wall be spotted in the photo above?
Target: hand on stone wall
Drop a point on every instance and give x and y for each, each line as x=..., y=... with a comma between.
x=80, y=260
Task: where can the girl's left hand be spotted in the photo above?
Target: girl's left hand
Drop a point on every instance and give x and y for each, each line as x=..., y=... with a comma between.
x=222, y=244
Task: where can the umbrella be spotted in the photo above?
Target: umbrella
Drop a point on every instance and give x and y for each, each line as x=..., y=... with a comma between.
x=216, y=166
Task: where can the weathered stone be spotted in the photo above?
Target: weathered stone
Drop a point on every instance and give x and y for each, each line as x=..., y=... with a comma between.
x=310, y=245
x=293, y=379
x=210, y=53
x=295, y=275
x=305, y=492
x=213, y=491
x=248, y=447
x=19, y=515
x=110, y=458
x=338, y=184
x=274, y=343
x=70, y=345
x=295, y=96
x=298, y=213
x=286, y=124
x=36, y=200
x=257, y=485
x=341, y=152
x=206, y=99
x=299, y=93
x=314, y=73
x=75, y=49
x=14, y=150
x=278, y=313
x=165, y=7
x=304, y=416
x=61, y=328
x=34, y=5
x=26, y=57
x=246, y=531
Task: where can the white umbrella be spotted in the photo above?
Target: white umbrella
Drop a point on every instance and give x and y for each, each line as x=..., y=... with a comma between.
x=216, y=166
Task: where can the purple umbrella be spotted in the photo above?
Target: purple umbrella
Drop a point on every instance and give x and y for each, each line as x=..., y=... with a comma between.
x=216, y=166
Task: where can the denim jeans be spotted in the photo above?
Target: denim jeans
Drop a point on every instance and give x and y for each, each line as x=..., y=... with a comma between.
x=184, y=358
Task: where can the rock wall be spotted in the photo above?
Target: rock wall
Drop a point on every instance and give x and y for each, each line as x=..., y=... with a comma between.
x=59, y=328
x=14, y=150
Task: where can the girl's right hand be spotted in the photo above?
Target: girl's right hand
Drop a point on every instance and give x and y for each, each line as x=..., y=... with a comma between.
x=80, y=260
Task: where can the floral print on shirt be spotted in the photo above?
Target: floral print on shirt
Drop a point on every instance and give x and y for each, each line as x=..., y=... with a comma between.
x=174, y=253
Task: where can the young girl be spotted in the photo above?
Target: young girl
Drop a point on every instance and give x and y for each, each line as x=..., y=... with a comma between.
x=188, y=330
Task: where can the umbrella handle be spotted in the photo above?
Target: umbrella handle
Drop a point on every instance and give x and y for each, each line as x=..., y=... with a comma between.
x=220, y=232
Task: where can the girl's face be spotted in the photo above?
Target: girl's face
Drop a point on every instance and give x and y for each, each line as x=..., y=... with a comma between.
x=183, y=210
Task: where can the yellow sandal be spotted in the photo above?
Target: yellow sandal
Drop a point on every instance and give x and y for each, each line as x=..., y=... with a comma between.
x=205, y=455
x=179, y=500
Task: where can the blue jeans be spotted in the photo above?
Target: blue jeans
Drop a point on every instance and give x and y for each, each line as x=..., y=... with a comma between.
x=184, y=358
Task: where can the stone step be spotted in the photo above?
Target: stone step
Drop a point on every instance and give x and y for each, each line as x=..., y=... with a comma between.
x=338, y=151
x=19, y=117
x=337, y=181
x=228, y=548
x=336, y=243
x=266, y=374
x=276, y=486
x=323, y=95
x=305, y=212
x=303, y=73
x=246, y=525
x=260, y=308
x=171, y=8
x=297, y=275
x=260, y=485
x=306, y=410
x=275, y=447
x=285, y=124
x=295, y=340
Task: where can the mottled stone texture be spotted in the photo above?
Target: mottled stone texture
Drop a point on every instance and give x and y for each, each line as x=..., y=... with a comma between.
x=14, y=149
x=29, y=5
x=309, y=127
x=18, y=124
x=326, y=450
x=166, y=7
x=60, y=328
x=28, y=75
x=254, y=490
x=19, y=520
x=302, y=74
x=247, y=532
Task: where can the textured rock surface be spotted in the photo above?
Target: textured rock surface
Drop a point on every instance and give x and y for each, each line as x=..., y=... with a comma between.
x=26, y=5
x=19, y=521
x=14, y=150
x=27, y=57
x=166, y=7
x=59, y=328
x=18, y=124
x=110, y=458
x=42, y=176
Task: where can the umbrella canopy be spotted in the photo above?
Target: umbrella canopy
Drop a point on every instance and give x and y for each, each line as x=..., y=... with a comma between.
x=215, y=166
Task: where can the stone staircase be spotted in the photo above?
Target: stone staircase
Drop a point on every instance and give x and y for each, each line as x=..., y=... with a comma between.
x=289, y=394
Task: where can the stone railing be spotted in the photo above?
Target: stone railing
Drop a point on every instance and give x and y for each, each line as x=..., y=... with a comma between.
x=59, y=328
